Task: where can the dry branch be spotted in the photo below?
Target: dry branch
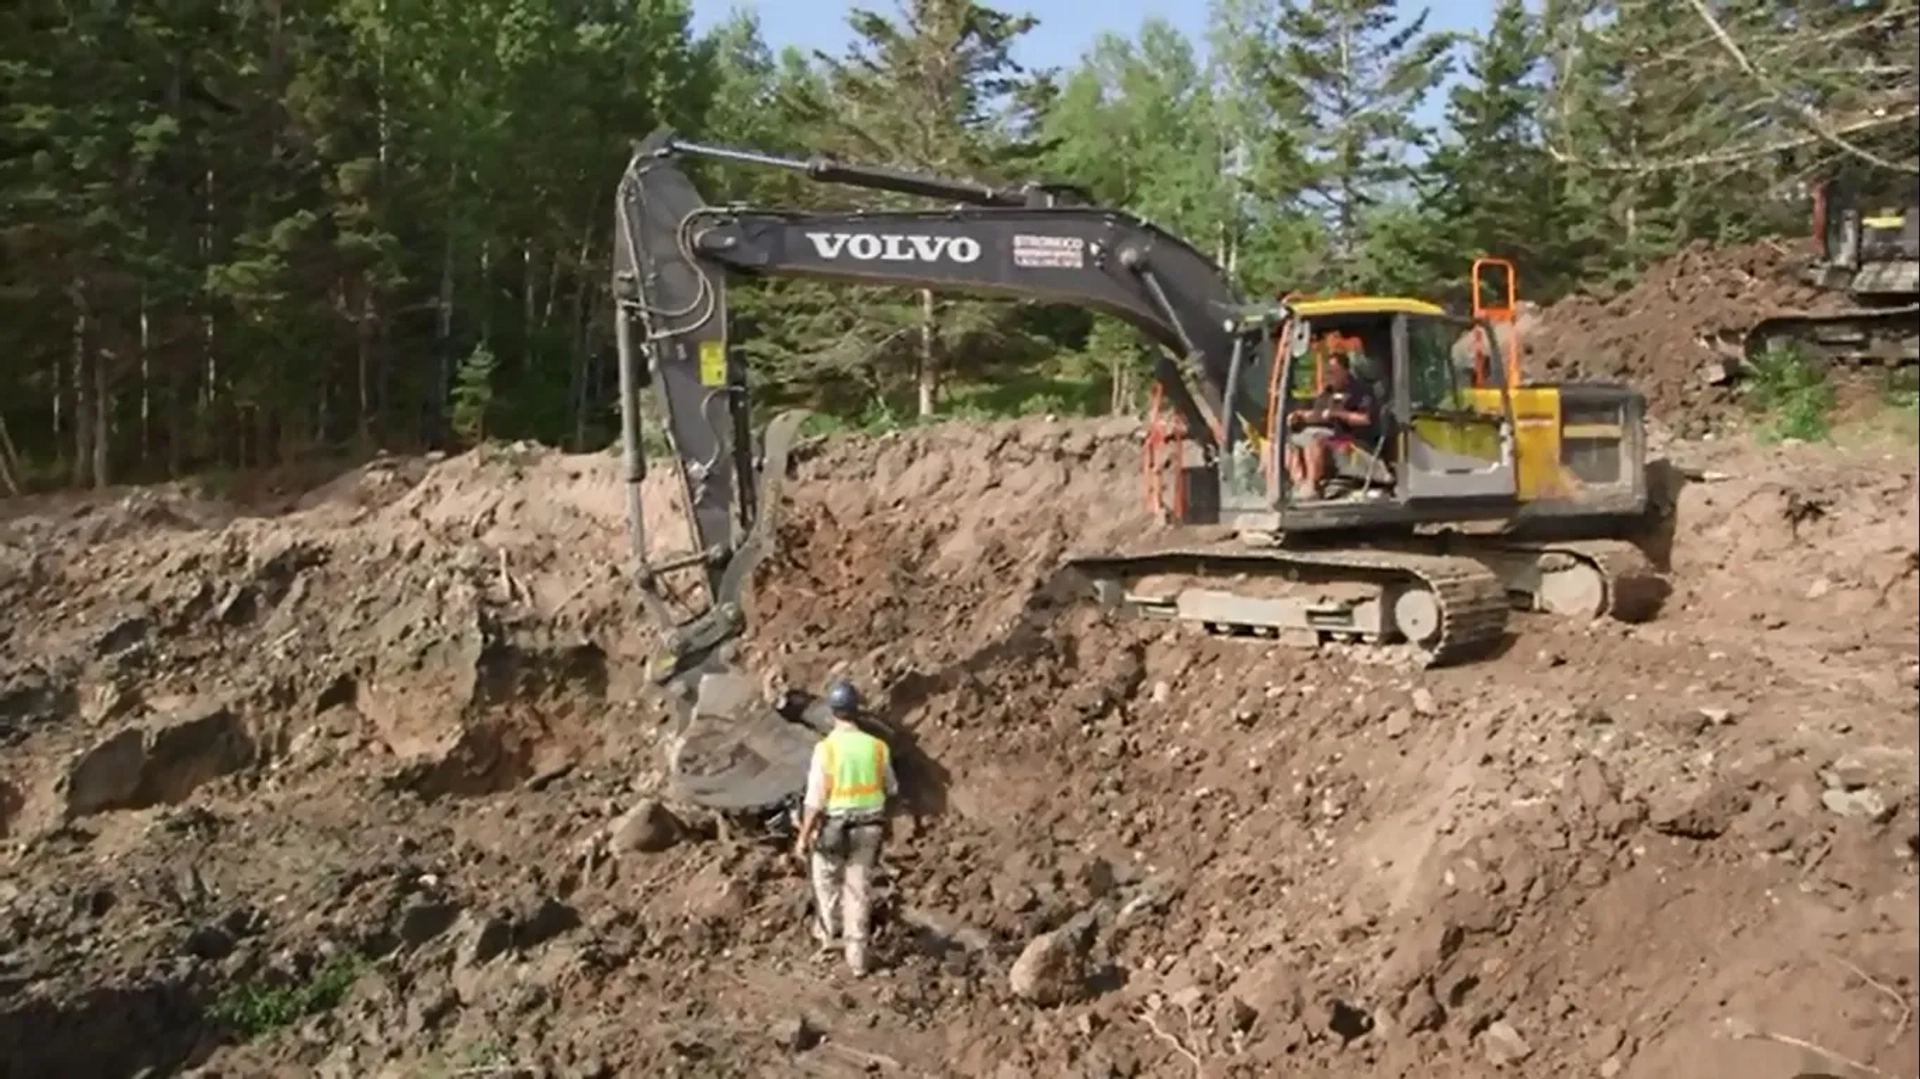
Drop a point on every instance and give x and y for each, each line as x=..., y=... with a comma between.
x=1740, y=97
x=9, y=462
x=1899, y=999
x=1805, y=114
x=1199, y=1069
x=1736, y=156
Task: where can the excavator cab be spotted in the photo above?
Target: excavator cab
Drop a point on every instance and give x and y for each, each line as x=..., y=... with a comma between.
x=1435, y=436
x=1458, y=434
x=1856, y=227
x=1551, y=475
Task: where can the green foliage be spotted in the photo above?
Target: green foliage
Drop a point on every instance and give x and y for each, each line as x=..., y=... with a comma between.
x=1900, y=390
x=1346, y=77
x=1792, y=393
x=254, y=1010
x=1491, y=187
x=473, y=393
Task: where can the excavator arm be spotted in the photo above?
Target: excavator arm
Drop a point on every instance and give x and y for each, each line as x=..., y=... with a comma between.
x=674, y=253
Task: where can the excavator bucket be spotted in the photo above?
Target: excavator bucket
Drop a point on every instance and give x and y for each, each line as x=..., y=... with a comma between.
x=736, y=753
x=741, y=752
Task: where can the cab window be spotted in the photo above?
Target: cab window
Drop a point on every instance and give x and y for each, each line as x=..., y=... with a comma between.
x=1435, y=382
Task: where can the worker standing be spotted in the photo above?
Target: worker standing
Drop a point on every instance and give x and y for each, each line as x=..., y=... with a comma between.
x=843, y=825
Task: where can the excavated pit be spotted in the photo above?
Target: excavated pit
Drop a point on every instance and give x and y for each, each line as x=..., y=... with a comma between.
x=1587, y=855
x=151, y=1028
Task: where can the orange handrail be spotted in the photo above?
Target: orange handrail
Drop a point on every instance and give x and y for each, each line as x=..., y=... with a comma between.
x=1821, y=189
x=1503, y=312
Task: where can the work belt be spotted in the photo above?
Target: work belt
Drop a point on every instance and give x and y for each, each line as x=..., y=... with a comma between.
x=835, y=837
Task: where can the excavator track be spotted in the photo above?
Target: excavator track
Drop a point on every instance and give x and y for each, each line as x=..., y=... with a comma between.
x=1593, y=579
x=1446, y=609
x=1873, y=336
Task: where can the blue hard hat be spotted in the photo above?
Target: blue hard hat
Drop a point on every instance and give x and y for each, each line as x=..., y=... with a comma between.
x=842, y=698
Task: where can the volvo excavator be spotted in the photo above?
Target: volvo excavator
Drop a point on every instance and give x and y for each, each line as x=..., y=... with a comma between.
x=1480, y=494
x=1868, y=243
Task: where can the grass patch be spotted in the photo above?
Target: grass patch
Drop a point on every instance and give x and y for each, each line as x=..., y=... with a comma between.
x=257, y=1009
x=1793, y=393
x=1031, y=397
x=1900, y=390
x=1066, y=395
x=1889, y=417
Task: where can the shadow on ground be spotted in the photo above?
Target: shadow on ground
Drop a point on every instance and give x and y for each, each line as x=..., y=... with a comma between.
x=109, y=1033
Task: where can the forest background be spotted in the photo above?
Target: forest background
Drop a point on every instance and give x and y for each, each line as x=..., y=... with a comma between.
x=244, y=233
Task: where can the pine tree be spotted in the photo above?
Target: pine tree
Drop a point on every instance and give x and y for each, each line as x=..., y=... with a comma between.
x=1491, y=188
x=1348, y=75
x=925, y=90
x=1274, y=241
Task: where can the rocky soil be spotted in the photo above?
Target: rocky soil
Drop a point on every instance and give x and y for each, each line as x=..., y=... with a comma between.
x=359, y=783
x=1676, y=333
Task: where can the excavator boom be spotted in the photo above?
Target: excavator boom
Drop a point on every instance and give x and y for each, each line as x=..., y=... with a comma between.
x=1348, y=562
x=674, y=252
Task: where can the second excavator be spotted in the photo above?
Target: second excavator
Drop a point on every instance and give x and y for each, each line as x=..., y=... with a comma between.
x=1474, y=493
x=1867, y=240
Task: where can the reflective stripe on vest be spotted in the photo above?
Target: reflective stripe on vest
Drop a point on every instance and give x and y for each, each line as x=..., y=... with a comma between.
x=856, y=771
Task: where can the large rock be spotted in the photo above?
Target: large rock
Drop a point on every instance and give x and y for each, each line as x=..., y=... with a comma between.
x=647, y=828
x=1052, y=968
x=160, y=764
x=1503, y=1045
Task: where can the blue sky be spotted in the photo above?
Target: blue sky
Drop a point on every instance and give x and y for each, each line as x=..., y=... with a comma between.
x=1067, y=27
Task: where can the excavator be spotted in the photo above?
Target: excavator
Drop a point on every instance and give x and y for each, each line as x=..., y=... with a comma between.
x=1479, y=494
x=1868, y=244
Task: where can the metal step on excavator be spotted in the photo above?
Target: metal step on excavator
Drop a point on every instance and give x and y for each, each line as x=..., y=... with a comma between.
x=1469, y=492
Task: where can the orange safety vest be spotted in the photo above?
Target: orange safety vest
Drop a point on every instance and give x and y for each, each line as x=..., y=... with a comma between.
x=856, y=765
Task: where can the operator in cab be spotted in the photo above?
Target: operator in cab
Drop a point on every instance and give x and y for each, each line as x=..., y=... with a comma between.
x=1346, y=412
x=843, y=824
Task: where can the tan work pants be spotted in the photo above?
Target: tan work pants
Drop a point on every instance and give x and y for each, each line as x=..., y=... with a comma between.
x=841, y=892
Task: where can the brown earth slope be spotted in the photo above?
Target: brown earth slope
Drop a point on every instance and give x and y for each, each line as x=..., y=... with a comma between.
x=1670, y=333
x=378, y=749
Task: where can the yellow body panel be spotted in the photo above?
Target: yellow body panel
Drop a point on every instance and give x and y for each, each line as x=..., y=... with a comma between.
x=1536, y=421
x=1609, y=431
x=1536, y=438
x=1479, y=440
x=1364, y=305
x=713, y=363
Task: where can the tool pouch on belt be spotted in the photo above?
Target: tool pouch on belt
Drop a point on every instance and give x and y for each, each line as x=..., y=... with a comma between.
x=832, y=839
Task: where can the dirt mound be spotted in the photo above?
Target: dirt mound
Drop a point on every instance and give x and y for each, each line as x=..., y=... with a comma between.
x=360, y=789
x=1666, y=334
x=934, y=539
